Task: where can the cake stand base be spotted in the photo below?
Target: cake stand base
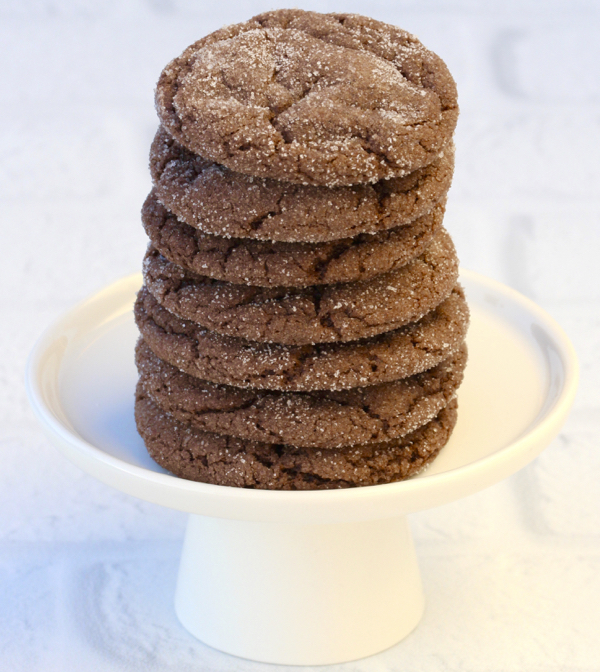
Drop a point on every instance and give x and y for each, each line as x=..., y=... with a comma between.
x=319, y=576
x=299, y=594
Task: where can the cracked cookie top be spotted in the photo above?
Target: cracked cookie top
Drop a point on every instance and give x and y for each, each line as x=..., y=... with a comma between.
x=216, y=200
x=306, y=315
x=267, y=264
x=197, y=455
x=322, y=99
x=319, y=419
x=332, y=366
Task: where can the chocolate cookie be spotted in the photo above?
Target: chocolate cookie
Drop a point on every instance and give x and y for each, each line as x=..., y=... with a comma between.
x=307, y=419
x=326, y=99
x=215, y=200
x=317, y=314
x=267, y=264
x=195, y=455
x=333, y=366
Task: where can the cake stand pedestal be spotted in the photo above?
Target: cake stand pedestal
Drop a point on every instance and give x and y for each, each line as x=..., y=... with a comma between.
x=299, y=594
x=316, y=577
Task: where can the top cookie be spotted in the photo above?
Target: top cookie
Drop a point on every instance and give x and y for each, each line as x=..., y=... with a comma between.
x=324, y=99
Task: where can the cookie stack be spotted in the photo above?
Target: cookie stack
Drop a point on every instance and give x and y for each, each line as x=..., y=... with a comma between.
x=301, y=323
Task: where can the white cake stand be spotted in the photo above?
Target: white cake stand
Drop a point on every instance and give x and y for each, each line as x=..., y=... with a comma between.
x=304, y=578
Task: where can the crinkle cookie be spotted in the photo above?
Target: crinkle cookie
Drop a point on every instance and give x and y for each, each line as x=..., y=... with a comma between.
x=196, y=455
x=332, y=366
x=325, y=99
x=308, y=419
x=317, y=314
x=267, y=264
x=216, y=200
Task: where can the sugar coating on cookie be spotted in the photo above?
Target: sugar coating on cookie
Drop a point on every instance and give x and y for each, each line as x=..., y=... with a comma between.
x=307, y=419
x=317, y=314
x=331, y=366
x=214, y=199
x=277, y=264
x=196, y=455
x=325, y=99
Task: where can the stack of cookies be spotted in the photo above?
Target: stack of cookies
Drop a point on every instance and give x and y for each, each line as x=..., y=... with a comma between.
x=301, y=323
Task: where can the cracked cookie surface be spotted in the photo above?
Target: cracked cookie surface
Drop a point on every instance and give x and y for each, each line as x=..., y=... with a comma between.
x=317, y=314
x=325, y=99
x=218, y=201
x=196, y=455
x=271, y=264
x=332, y=366
x=307, y=419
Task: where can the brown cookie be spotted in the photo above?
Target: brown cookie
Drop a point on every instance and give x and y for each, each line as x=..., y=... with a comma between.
x=326, y=99
x=190, y=453
x=218, y=201
x=267, y=264
x=308, y=419
x=317, y=314
x=333, y=366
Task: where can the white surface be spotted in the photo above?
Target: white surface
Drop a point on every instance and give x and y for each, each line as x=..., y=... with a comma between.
x=87, y=574
x=519, y=386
